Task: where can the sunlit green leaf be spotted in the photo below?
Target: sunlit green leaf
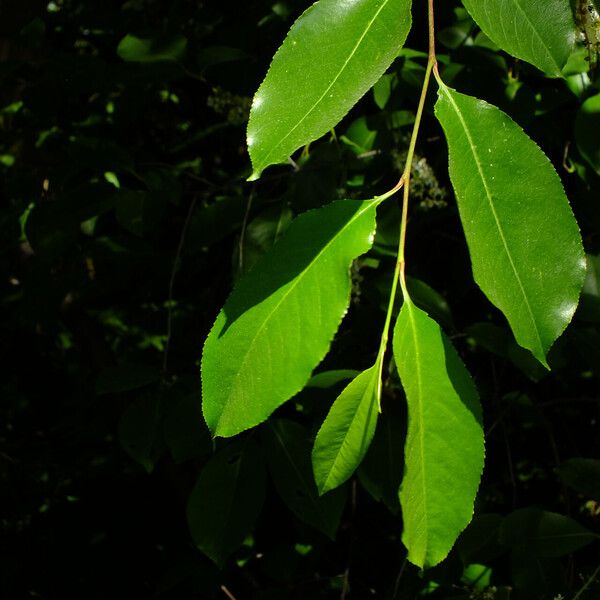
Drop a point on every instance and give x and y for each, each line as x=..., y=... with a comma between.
x=347, y=431
x=332, y=55
x=542, y=32
x=444, y=446
x=525, y=245
x=279, y=321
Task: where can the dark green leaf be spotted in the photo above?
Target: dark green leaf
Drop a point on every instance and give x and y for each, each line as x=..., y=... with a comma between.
x=124, y=378
x=328, y=379
x=479, y=541
x=185, y=433
x=139, y=430
x=542, y=32
x=140, y=212
x=545, y=534
x=260, y=236
x=582, y=475
x=227, y=499
x=288, y=451
x=381, y=470
x=587, y=125
x=135, y=49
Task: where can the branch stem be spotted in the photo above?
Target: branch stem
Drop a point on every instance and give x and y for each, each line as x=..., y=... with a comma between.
x=399, y=269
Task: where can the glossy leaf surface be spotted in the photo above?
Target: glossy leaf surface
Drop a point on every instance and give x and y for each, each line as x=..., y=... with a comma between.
x=347, y=431
x=332, y=55
x=525, y=245
x=227, y=499
x=288, y=452
x=280, y=319
x=444, y=448
x=542, y=32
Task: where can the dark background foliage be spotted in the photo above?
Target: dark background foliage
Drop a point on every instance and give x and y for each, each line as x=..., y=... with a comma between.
x=126, y=219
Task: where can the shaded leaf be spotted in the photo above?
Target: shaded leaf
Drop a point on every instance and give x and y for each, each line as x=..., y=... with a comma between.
x=227, y=499
x=582, y=475
x=139, y=212
x=280, y=319
x=525, y=245
x=185, y=433
x=361, y=39
x=587, y=125
x=444, y=446
x=542, y=32
x=136, y=49
x=124, y=378
x=381, y=470
x=288, y=452
x=543, y=533
x=260, y=236
x=479, y=541
x=346, y=433
x=327, y=379
x=139, y=430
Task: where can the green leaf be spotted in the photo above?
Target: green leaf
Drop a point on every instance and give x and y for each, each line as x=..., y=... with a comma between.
x=542, y=32
x=347, y=431
x=479, y=541
x=328, y=379
x=185, y=433
x=543, y=533
x=135, y=49
x=140, y=430
x=582, y=475
x=259, y=236
x=524, y=242
x=380, y=472
x=140, y=212
x=124, y=378
x=280, y=319
x=288, y=452
x=587, y=125
x=227, y=499
x=444, y=445
x=332, y=55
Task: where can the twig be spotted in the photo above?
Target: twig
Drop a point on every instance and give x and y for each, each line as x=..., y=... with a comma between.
x=397, y=582
x=227, y=593
x=243, y=232
x=587, y=584
x=172, y=283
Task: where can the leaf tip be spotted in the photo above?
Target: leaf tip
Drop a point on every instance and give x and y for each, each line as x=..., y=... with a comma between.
x=255, y=176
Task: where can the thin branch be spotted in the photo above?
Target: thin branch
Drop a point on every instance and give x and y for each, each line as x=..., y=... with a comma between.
x=174, y=271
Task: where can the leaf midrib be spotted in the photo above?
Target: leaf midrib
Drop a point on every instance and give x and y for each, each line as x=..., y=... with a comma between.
x=292, y=287
x=490, y=200
x=333, y=82
x=420, y=411
x=535, y=31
